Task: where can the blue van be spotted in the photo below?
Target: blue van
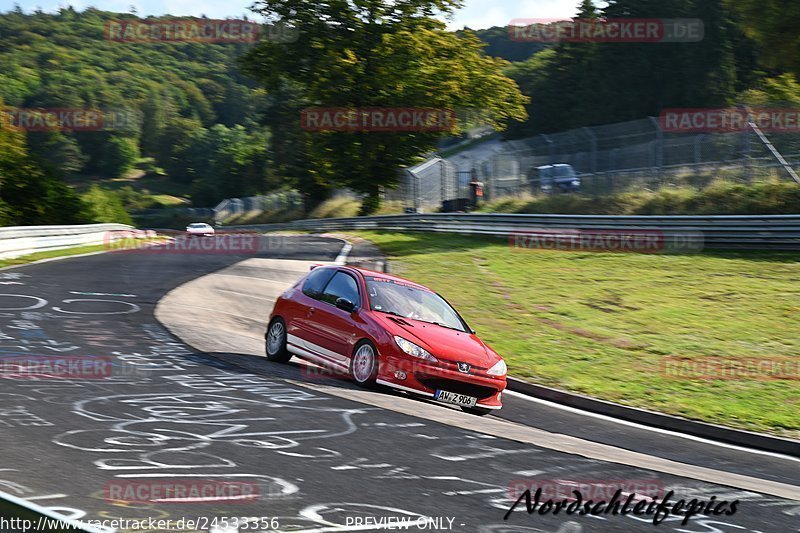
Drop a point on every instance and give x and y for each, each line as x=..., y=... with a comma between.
x=556, y=178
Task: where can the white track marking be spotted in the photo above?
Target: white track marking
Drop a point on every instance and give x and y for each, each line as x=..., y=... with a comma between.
x=341, y=259
x=648, y=428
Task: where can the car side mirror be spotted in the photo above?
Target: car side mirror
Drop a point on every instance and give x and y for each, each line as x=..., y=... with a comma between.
x=345, y=305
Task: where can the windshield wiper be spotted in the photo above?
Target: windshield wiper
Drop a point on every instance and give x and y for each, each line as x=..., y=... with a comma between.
x=420, y=320
x=441, y=325
x=390, y=313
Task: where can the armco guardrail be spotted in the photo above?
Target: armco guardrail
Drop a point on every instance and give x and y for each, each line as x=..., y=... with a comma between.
x=687, y=233
x=16, y=241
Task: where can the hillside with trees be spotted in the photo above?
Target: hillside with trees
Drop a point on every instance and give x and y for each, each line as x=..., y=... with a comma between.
x=203, y=127
x=748, y=55
x=500, y=44
x=196, y=114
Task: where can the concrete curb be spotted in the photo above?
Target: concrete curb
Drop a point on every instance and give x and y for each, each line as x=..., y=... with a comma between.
x=650, y=418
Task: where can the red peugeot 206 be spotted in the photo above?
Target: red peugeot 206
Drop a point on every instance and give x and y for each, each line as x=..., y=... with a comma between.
x=387, y=330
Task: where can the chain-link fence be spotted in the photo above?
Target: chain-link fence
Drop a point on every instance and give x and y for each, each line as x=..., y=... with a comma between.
x=426, y=186
x=607, y=159
x=232, y=207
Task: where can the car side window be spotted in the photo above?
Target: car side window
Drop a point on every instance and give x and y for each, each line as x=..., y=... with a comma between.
x=341, y=286
x=316, y=280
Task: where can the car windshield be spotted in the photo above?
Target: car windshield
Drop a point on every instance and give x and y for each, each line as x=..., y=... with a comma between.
x=406, y=300
x=564, y=172
x=198, y=226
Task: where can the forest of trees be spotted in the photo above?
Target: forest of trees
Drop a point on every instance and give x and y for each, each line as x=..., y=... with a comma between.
x=500, y=44
x=197, y=115
x=221, y=120
x=748, y=55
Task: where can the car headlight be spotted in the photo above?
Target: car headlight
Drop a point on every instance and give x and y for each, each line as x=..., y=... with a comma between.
x=499, y=369
x=412, y=349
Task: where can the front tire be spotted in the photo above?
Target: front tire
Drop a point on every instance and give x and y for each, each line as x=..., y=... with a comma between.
x=364, y=364
x=275, y=342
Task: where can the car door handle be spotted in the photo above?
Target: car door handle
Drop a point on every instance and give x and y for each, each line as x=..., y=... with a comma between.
x=311, y=311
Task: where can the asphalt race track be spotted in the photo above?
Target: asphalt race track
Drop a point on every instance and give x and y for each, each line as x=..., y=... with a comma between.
x=189, y=397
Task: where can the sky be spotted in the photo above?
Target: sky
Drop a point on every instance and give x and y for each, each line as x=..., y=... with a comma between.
x=476, y=14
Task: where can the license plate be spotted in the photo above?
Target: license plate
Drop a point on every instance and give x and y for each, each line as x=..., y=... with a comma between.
x=455, y=398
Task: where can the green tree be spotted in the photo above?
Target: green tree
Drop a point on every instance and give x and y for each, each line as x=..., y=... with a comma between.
x=289, y=162
x=378, y=54
x=781, y=90
x=576, y=84
x=117, y=157
x=29, y=195
x=155, y=111
x=56, y=151
x=105, y=206
x=773, y=24
x=231, y=162
x=178, y=135
x=64, y=60
x=499, y=43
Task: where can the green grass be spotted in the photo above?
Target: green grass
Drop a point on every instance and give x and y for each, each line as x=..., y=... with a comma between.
x=65, y=252
x=342, y=206
x=166, y=200
x=270, y=216
x=717, y=197
x=139, y=190
x=602, y=323
x=76, y=250
x=338, y=207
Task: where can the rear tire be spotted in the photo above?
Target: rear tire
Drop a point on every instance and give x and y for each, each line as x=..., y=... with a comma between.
x=478, y=411
x=275, y=342
x=364, y=364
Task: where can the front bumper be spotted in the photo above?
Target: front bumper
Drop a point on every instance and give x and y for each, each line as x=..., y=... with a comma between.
x=426, y=378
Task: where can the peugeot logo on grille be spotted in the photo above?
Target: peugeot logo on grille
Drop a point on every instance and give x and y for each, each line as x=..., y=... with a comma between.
x=463, y=367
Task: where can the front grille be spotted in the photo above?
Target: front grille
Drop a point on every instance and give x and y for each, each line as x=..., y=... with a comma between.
x=459, y=387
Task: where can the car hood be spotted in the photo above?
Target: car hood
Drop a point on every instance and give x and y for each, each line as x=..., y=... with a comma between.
x=443, y=343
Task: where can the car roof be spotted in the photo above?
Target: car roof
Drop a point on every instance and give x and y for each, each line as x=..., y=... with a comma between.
x=383, y=275
x=554, y=165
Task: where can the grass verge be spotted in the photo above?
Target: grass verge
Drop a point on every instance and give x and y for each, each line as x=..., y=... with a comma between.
x=30, y=258
x=65, y=252
x=606, y=324
x=718, y=198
